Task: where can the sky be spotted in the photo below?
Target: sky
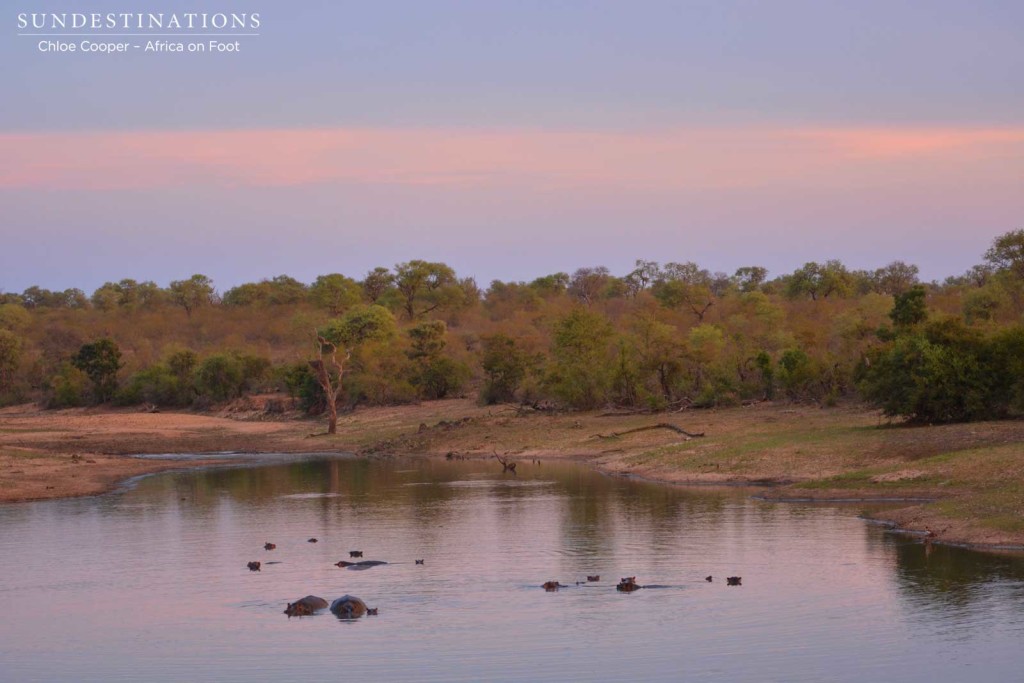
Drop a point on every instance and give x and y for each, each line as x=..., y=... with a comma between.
x=515, y=138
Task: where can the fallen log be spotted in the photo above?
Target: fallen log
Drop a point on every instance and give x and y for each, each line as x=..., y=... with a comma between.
x=660, y=425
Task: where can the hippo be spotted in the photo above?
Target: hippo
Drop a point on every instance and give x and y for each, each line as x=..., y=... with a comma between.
x=371, y=611
x=628, y=584
x=709, y=579
x=253, y=566
x=269, y=546
x=312, y=540
x=362, y=564
x=551, y=586
x=734, y=580
x=348, y=607
x=355, y=553
x=304, y=607
x=419, y=561
x=595, y=577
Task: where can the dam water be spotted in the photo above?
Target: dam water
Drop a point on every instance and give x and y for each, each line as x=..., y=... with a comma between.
x=150, y=583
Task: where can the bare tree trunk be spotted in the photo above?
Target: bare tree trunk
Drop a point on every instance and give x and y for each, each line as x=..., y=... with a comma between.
x=331, y=386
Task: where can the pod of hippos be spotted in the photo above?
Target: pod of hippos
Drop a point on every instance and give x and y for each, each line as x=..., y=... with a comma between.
x=345, y=607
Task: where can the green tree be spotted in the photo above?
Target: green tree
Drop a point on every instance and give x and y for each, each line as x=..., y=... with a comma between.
x=551, y=285
x=67, y=388
x=434, y=375
x=193, y=293
x=763, y=361
x=14, y=317
x=377, y=283
x=220, y=377
x=641, y=277
x=580, y=372
x=358, y=325
x=505, y=365
x=100, y=361
x=10, y=356
x=335, y=292
x=795, y=372
x=750, y=278
x=820, y=280
x=941, y=372
x=896, y=278
x=425, y=287
x=361, y=324
x=590, y=284
x=1007, y=253
x=910, y=307
x=685, y=285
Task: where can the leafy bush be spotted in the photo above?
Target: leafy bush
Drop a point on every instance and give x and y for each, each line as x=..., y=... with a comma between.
x=100, y=361
x=504, y=365
x=69, y=388
x=224, y=376
x=946, y=372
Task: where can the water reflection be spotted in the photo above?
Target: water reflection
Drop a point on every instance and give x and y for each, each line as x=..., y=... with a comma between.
x=154, y=580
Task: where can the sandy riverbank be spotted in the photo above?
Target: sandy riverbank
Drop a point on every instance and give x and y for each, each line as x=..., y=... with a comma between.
x=973, y=472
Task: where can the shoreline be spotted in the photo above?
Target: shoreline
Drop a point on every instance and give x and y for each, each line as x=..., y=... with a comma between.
x=958, y=480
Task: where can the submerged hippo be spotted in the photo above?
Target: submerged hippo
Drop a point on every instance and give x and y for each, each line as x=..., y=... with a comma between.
x=362, y=564
x=628, y=584
x=734, y=580
x=551, y=585
x=348, y=607
x=254, y=566
x=304, y=607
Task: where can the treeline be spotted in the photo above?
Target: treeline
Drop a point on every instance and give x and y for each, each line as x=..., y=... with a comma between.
x=661, y=336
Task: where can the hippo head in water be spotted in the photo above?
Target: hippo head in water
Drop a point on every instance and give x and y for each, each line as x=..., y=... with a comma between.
x=348, y=607
x=628, y=584
x=304, y=607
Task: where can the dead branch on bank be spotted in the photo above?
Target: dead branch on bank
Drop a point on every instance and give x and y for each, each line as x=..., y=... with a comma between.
x=660, y=425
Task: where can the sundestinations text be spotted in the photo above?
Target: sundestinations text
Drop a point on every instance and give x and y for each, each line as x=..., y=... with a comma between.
x=141, y=21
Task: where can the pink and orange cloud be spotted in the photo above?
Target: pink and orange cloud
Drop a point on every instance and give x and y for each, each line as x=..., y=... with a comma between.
x=659, y=161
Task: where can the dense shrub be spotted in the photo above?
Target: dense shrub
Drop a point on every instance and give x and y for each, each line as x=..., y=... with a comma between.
x=504, y=364
x=946, y=372
x=69, y=388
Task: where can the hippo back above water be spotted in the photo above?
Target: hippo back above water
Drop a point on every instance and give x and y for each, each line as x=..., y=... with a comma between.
x=304, y=607
x=348, y=607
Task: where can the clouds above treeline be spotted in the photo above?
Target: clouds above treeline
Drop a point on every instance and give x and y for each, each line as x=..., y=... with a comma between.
x=672, y=160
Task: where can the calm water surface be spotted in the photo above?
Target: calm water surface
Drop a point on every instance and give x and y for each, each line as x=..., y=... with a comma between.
x=151, y=583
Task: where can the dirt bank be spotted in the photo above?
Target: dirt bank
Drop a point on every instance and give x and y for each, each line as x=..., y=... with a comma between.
x=971, y=472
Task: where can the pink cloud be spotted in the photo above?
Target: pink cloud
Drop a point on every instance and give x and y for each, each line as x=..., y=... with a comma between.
x=691, y=159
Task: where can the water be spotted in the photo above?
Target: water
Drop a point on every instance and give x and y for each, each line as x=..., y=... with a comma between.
x=151, y=583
